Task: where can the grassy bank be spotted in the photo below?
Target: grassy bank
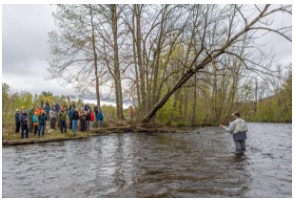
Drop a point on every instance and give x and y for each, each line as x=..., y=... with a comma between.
x=11, y=138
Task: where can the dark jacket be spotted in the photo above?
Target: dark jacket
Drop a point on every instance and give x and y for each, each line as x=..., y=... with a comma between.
x=16, y=117
x=75, y=115
x=70, y=114
x=31, y=114
x=47, y=108
x=23, y=118
x=42, y=119
x=56, y=108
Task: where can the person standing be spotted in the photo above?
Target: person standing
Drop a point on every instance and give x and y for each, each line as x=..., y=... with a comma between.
x=56, y=108
x=71, y=110
x=82, y=116
x=91, y=122
x=87, y=119
x=23, y=118
x=52, y=118
x=131, y=113
x=62, y=117
x=239, y=129
x=47, y=108
x=35, y=122
x=75, y=118
x=99, y=118
x=42, y=123
x=39, y=110
x=95, y=111
x=17, y=122
x=31, y=114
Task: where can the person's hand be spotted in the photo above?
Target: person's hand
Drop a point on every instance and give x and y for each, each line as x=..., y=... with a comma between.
x=221, y=126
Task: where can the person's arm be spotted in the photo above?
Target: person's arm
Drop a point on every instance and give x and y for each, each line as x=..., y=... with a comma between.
x=229, y=129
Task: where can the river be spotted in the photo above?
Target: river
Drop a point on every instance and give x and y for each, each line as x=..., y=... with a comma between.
x=197, y=164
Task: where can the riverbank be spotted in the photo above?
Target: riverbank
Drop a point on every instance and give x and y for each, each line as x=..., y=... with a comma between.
x=9, y=138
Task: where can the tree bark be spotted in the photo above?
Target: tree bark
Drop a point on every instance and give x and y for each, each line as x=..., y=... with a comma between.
x=95, y=59
x=117, y=74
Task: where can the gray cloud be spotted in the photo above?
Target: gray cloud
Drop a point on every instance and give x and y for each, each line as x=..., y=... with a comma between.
x=25, y=48
x=24, y=32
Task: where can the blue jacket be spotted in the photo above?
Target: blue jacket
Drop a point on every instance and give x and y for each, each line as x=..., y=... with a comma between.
x=70, y=114
x=56, y=108
x=99, y=116
x=47, y=108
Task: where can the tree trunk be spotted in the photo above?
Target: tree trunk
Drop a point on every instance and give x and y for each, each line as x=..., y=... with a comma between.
x=117, y=74
x=95, y=60
x=161, y=103
x=137, y=10
x=194, y=102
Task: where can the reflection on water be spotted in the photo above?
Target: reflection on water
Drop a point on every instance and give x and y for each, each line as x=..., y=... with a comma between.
x=195, y=164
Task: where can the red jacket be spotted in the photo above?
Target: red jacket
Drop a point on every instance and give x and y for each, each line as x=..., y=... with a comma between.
x=91, y=116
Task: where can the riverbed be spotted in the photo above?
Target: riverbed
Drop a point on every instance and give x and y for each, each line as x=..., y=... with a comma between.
x=200, y=163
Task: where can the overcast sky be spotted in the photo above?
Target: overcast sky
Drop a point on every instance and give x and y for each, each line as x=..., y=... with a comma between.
x=25, y=50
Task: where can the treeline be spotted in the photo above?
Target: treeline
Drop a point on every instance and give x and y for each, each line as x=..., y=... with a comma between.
x=268, y=100
x=12, y=100
x=258, y=100
x=190, y=64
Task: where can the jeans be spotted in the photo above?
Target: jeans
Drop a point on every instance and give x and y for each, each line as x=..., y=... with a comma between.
x=240, y=146
x=17, y=126
x=43, y=127
x=74, y=125
x=30, y=126
x=91, y=124
x=99, y=123
x=52, y=123
x=87, y=125
x=35, y=129
x=24, y=128
x=71, y=123
x=83, y=125
x=63, y=126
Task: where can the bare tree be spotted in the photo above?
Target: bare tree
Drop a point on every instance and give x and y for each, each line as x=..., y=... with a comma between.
x=73, y=45
x=215, y=44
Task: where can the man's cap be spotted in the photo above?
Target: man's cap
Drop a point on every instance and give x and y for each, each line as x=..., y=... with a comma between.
x=236, y=114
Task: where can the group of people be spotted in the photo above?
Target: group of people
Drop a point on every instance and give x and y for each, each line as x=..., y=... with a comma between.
x=86, y=117
x=35, y=121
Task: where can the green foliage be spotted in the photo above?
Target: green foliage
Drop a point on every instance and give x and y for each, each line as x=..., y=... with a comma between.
x=178, y=109
x=110, y=112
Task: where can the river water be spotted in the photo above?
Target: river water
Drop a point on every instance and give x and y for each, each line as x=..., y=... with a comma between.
x=197, y=164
